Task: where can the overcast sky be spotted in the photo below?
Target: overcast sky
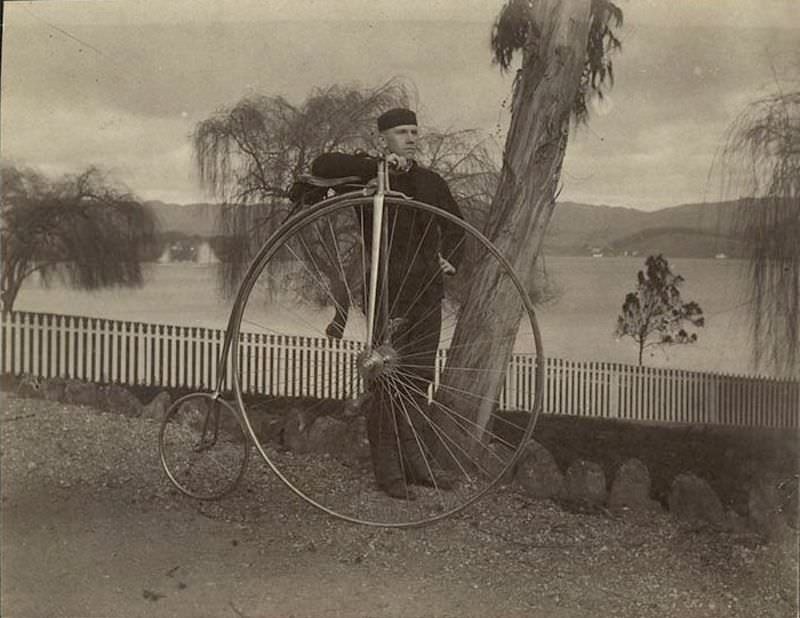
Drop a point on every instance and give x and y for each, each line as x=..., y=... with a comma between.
x=122, y=83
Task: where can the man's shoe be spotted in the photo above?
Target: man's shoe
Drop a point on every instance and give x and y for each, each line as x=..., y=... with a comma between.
x=418, y=473
x=420, y=470
x=437, y=480
x=399, y=489
x=335, y=330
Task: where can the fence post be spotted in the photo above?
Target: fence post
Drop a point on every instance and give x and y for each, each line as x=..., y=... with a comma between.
x=4, y=342
x=23, y=318
x=558, y=386
x=162, y=381
x=31, y=335
x=613, y=382
x=712, y=403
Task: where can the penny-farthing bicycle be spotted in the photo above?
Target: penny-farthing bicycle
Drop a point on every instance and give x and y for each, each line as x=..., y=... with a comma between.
x=338, y=255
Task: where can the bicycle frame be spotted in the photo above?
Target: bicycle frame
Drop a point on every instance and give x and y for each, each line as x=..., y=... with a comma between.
x=378, y=192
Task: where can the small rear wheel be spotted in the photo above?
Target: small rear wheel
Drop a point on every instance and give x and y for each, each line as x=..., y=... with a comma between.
x=203, y=448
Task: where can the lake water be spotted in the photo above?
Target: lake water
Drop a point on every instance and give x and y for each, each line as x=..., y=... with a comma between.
x=579, y=325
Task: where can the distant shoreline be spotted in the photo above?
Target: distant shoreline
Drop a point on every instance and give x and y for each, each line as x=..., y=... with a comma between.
x=578, y=324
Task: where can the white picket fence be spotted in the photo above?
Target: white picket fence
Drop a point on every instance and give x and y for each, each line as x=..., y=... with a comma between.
x=101, y=350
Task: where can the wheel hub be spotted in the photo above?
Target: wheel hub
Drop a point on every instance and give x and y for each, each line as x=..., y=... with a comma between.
x=376, y=362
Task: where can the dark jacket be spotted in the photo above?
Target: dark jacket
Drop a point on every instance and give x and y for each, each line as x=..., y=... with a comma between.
x=413, y=229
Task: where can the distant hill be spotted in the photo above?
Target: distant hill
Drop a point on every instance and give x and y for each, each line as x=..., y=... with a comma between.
x=189, y=219
x=676, y=242
x=688, y=230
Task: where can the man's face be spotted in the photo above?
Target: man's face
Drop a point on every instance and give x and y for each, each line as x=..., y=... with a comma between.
x=401, y=140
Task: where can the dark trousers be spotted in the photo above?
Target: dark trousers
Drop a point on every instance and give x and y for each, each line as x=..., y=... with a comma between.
x=397, y=427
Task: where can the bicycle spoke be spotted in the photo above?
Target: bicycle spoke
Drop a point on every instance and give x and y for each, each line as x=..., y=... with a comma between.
x=407, y=416
x=450, y=411
x=445, y=438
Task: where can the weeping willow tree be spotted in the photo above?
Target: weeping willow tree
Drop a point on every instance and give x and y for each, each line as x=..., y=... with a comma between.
x=249, y=155
x=564, y=49
x=760, y=163
x=82, y=229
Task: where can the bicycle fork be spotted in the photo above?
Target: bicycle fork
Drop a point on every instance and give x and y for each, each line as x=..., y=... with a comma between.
x=377, y=234
x=211, y=421
x=210, y=432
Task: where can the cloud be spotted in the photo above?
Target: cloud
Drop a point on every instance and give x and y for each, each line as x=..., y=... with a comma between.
x=148, y=12
x=719, y=13
x=89, y=83
x=148, y=154
x=675, y=96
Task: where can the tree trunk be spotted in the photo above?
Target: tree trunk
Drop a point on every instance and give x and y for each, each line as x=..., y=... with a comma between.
x=543, y=100
x=10, y=286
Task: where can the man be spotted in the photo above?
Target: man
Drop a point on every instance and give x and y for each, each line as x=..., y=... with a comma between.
x=423, y=249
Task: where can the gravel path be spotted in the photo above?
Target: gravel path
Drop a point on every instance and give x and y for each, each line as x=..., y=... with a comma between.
x=91, y=527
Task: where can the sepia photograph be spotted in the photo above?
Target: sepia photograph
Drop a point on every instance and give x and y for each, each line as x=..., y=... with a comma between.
x=432, y=308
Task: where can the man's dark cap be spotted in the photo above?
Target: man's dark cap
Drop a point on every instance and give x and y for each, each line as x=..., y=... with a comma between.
x=396, y=117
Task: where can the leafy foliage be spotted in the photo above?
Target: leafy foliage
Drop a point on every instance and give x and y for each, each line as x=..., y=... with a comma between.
x=82, y=228
x=656, y=310
x=516, y=30
x=760, y=161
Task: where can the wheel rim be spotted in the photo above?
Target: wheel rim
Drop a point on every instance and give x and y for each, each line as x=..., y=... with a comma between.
x=203, y=449
x=294, y=276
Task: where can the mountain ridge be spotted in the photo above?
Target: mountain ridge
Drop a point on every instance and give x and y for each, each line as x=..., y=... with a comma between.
x=685, y=230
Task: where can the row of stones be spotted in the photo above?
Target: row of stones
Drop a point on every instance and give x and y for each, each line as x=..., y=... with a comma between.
x=691, y=499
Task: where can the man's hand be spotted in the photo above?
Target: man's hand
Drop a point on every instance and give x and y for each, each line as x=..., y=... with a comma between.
x=398, y=162
x=447, y=268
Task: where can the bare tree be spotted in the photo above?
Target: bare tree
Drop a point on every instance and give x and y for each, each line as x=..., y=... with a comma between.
x=249, y=156
x=468, y=161
x=564, y=47
x=84, y=229
x=760, y=162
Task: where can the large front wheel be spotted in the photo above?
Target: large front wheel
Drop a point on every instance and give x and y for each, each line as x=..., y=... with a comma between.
x=424, y=418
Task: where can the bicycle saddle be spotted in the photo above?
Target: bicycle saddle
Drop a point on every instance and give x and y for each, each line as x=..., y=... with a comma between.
x=329, y=183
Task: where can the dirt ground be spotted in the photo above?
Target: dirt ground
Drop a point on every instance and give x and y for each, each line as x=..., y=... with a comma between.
x=91, y=527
